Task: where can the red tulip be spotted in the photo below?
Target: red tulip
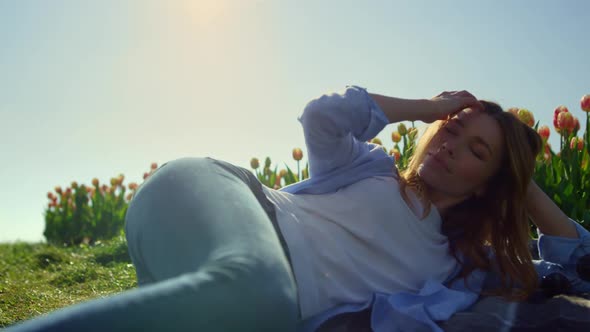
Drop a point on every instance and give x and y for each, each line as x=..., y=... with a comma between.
x=50, y=195
x=576, y=125
x=154, y=166
x=145, y=175
x=544, y=132
x=576, y=143
x=395, y=153
x=585, y=103
x=558, y=110
x=565, y=121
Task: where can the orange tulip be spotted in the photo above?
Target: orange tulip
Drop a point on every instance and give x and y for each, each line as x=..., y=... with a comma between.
x=396, y=137
x=95, y=182
x=58, y=190
x=254, y=163
x=376, y=141
x=297, y=154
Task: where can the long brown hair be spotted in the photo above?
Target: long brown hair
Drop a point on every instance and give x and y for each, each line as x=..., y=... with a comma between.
x=497, y=220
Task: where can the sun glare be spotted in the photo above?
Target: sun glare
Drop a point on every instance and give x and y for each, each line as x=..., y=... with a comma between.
x=205, y=13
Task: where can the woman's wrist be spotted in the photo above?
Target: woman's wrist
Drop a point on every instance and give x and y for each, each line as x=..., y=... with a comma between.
x=400, y=109
x=546, y=215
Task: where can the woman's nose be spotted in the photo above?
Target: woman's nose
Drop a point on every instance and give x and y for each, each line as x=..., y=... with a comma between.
x=446, y=146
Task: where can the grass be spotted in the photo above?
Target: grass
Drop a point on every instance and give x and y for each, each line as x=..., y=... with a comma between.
x=37, y=278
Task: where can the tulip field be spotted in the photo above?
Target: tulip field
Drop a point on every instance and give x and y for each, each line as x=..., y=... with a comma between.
x=84, y=214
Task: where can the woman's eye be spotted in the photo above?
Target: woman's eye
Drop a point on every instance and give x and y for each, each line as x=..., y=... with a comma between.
x=478, y=155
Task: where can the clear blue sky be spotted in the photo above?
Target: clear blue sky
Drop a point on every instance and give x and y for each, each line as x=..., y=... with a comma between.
x=97, y=88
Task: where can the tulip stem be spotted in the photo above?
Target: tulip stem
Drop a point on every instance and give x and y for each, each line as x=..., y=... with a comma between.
x=298, y=176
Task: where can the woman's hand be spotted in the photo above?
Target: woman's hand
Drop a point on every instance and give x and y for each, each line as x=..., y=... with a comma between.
x=448, y=103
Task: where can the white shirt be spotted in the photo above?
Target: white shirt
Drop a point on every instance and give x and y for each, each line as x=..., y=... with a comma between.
x=358, y=240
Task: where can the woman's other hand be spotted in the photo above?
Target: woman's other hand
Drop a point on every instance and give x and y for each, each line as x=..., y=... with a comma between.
x=448, y=103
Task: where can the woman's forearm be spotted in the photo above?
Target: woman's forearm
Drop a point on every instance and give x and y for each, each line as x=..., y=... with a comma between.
x=547, y=215
x=398, y=109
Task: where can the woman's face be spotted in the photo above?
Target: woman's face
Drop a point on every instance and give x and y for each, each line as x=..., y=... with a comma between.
x=463, y=155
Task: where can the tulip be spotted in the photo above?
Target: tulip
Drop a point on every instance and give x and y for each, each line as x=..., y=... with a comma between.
x=132, y=186
x=376, y=141
x=544, y=132
x=121, y=178
x=526, y=116
x=576, y=125
x=565, y=121
x=95, y=182
x=58, y=190
x=396, y=137
x=50, y=195
x=576, y=143
x=154, y=166
x=513, y=110
x=395, y=153
x=412, y=133
x=267, y=171
x=74, y=185
x=129, y=196
x=254, y=163
x=283, y=172
x=145, y=175
x=68, y=192
x=585, y=103
x=401, y=128
x=297, y=154
x=114, y=182
x=267, y=162
x=558, y=110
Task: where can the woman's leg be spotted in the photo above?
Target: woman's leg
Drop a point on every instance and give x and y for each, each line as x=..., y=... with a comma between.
x=208, y=259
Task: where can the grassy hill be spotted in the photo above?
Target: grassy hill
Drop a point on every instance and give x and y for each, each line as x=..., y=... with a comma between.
x=37, y=278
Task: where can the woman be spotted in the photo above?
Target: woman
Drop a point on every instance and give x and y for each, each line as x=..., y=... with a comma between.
x=214, y=250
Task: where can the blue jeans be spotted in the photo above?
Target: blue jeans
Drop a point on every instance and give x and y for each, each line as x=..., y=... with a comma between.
x=208, y=257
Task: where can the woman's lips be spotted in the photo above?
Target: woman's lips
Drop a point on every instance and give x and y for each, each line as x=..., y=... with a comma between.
x=440, y=161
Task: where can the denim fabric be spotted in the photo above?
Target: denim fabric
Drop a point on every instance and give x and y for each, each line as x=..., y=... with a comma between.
x=207, y=259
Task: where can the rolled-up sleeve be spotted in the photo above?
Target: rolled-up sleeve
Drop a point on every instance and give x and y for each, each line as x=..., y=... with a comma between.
x=337, y=125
